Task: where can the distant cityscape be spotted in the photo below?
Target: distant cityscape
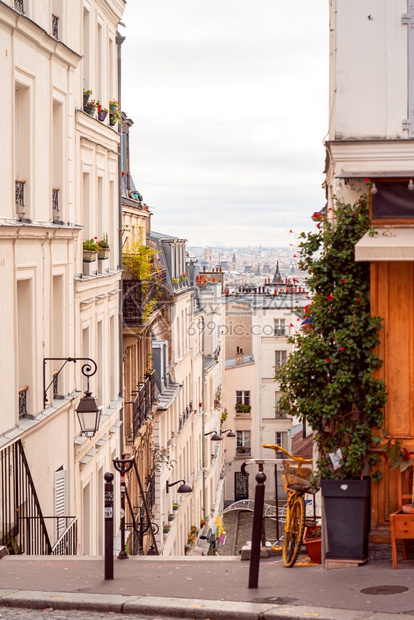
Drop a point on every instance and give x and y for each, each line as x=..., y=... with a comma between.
x=249, y=266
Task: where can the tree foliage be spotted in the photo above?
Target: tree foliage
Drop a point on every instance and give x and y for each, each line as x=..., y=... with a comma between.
x=328, y=380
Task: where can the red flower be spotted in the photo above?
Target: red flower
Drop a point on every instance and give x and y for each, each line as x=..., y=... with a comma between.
x=341, y=348
x=358, y=299
x=343, y=281
x=328, y=361
x=291, y=325
x=329, y=298
x=366, y=179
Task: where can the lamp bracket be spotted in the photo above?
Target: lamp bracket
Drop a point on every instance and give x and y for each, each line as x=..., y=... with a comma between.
x=88, y=370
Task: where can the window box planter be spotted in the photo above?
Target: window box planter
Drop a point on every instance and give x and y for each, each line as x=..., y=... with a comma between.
x=175, y=506
x=102, y=114
x=242, y=408
x=171, y=517
x=89, y=256
x=103, y=254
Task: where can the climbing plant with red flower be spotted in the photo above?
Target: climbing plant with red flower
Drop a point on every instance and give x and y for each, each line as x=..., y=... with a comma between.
x=328, y=380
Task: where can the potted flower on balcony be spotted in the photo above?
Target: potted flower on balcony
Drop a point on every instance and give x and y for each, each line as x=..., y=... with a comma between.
x=175, y=506
x=90, y=107
x=90, y=250
x=114, y=117
x=102, y=112
x=86, y=94
x=103, y=252
x=113, y=105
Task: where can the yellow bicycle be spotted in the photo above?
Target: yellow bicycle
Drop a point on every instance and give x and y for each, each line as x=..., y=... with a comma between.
x=297, y=473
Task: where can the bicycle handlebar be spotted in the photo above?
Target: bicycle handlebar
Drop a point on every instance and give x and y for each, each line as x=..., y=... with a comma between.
x=276, y=448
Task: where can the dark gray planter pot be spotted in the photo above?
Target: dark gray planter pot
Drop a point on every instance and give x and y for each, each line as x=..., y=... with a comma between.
x=347, y=514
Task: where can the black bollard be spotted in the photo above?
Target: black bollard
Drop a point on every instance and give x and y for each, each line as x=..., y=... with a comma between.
x=109, y=525
x=257, y=528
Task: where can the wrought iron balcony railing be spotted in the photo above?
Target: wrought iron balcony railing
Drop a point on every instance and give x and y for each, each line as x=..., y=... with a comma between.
x=23, y=528
x=19, y=5
x=23, y=401
x=143, y=402
x=19, y=192
x=142, y=297
x=55, y=26
x=55, y=199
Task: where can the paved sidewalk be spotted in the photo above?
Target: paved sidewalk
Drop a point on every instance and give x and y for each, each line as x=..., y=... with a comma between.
x=209, y=588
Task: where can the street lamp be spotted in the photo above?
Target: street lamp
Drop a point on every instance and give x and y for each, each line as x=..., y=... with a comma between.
x=88, y=412
x=217, y=437
x=183, y=488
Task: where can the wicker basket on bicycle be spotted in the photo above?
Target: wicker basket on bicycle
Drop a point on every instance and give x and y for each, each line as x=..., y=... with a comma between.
x=297, y=475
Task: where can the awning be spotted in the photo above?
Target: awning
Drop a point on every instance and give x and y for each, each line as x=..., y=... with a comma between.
x=389, y=244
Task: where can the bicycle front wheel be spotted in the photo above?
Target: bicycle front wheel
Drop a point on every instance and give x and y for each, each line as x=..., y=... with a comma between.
x=294, y=531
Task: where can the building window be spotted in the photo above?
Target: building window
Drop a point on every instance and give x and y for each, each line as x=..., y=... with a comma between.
x=279, y=327
x=243, y=442
x=243, y=397
x=280, y=359
x=281, y=439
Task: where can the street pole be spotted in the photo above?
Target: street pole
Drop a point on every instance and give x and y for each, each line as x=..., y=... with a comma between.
x=257, y=528
x=109, y=525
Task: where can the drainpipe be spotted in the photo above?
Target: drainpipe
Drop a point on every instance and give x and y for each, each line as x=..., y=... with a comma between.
x=119, y=40
x=203, y=427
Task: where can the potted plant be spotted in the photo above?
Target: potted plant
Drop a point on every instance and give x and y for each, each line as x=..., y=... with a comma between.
x=175, y=506
x=114, y=117
x=165, y=528
x=175, y=280
x=312, y=539
x=102, y=112
x=90, y=250
x=90, y=107
x=242, y=408
x=171, y=517
x=86, y=94
x=328, y=380
x=103, y=252
x=113, y=105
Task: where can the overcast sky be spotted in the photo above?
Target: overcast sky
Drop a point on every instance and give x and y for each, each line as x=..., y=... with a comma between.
x=229, y=100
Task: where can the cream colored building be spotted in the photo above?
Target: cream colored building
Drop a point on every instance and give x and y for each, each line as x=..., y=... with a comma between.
x=257, y=330
x=59, y=183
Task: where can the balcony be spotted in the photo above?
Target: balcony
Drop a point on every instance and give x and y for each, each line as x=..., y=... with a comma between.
x=142, y=297
x=280, y=331
x=143, y=403
x=19, y=5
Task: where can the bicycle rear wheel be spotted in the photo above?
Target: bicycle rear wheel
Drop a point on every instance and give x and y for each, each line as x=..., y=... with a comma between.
x=294, y=532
